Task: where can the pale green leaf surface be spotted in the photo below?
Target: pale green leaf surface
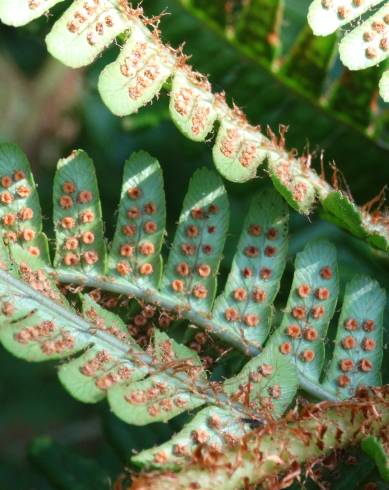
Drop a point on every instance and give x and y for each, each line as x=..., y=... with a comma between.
x=267, y=384
x=20, y=212
x=190, y=274
x=81, y=33
x=138, y=74
x=361, y=320
x=20, y=12
x=237, y=152
x=136, y=247
x=256, y=270
x=192, y=106
x=310, y=307
x=367, y=44
x=88, y=376
x=324, y=16
x=212, y=425
x=77, y=217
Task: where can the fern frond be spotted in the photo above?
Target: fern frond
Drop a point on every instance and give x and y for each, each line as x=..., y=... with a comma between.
x=101, y=359
x=143, y=67
x=275, y=455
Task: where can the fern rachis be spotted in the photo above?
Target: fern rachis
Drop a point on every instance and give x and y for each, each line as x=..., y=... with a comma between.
x=145, y=64
x=144, y=386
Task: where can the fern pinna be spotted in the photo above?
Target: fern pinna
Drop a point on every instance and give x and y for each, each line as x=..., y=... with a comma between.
x=145, y=65
x=103, y=356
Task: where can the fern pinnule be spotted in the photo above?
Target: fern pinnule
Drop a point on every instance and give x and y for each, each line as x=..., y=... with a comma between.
x=141, y=70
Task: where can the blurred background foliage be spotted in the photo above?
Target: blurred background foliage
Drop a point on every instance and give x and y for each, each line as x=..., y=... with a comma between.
x=47, y=439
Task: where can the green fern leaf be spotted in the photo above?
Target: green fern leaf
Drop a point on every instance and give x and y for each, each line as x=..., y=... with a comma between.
x=237, y=152
x=375, y=448
x=309, y=309
x=77, y=216
x=358, y=346
x=138, y=74
x=266, y=385
x=20, y=12
x=366, y=45
x=191, y=271
x=89, y=376
x=136, y=247
x=84, y=30
x=326, y=16
x=20, y=212
x=246, y=303
x=192, y=105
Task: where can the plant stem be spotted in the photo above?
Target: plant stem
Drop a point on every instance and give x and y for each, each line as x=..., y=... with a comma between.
x=279, y=448
x=201, y=319
x=123, y=350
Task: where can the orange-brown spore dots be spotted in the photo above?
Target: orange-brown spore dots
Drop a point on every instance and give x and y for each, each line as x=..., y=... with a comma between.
x=126, y=250
x=322, y=294
x=183, y=269
x=251, y=320
x=178, y=286
x=8, y=219
x=150, y=208
x=87, y=217
x=304, y=290
x=310, y=334
x=346, y=365
x=188, y=250
x=66, y=202
x=351, y=324
x=6, y=181
x=259, y=295
x=200, y=291
x=270, y=251
x=368, y=344
x=134, y=193
x=122, y=268
x=299, y=312
x=293, y=331
x=317, y=312
x=19, y=175
x=240, y=294
x=343, y=381
x=255, y=230
x=368, y=325
x=84, y=197
x=204, y=270
x=326, y=273
x=197, y=213
x=146, y=269
x=68, y=187
x=286, y=348
x=68, y=223
x=192, y=231
x=307, y=355
x=28, y=235
x=231, y=315
x=265, y=273
x=88, y=237
x=133, y=213
x=6, y=198
x=146, y=249
x=150, y=227
x=349, y=342
x=365, y=365
x=251, y=251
